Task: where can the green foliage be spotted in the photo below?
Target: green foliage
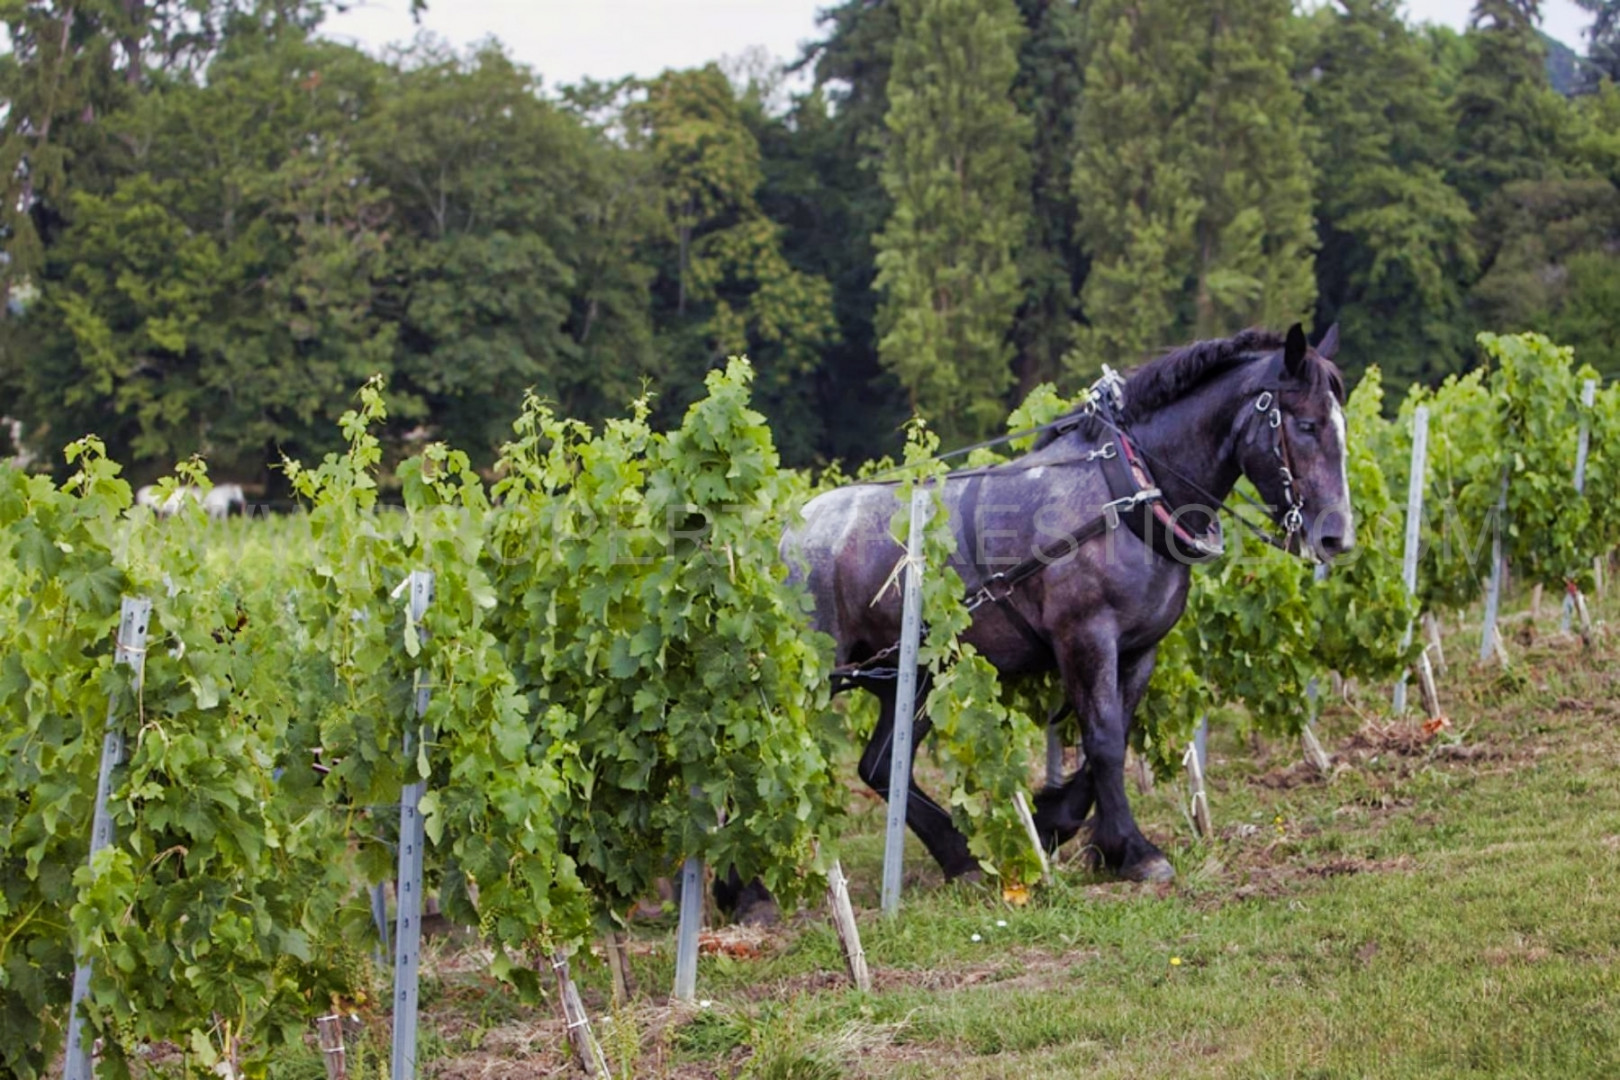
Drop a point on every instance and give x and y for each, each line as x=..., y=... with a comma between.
x=59, y=599
x=1395, y=239
x=1197, y=214
x=648, y=619
x=956, y=165
x=1508, y=119
x=226, y=908
x=1507, y=435
x=1536, y=388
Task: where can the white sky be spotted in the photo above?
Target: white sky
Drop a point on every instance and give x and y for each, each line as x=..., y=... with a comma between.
x=565, y=40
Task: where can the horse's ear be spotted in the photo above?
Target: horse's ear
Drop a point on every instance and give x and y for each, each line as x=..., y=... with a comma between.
x=1294, y=351
x=1328, y=347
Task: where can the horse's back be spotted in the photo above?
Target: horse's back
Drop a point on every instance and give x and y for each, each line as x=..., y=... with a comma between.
x=833, y=551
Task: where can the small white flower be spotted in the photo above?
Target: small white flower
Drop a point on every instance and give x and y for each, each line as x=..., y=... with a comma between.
x=705, y=1003
x=976, y=937
x=1001, y=922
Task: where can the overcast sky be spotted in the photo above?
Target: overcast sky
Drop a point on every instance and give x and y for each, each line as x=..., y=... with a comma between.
x=566, y=39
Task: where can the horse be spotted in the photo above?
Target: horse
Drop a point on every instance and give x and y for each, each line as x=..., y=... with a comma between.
x=1077, y=555
x=219, y=502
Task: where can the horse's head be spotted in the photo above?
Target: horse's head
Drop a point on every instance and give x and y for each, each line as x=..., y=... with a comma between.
x=1294, y=449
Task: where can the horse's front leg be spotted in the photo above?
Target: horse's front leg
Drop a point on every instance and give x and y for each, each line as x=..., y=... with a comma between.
x=1061, y=809
x=1101, y=687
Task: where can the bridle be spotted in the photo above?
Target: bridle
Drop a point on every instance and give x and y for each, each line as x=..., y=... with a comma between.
x=1293, y=518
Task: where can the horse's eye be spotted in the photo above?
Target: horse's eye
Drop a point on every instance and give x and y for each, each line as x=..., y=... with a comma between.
x=1307, y=427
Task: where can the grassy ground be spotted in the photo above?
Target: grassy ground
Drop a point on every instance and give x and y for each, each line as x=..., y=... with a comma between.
x=1434, y=908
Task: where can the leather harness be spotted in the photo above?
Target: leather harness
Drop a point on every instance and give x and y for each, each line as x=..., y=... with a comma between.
x=1136, y=501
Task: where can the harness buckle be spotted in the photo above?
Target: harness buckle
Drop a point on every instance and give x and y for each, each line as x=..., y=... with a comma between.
x=987, y=592
x=1275, y=419
x=1111, y=510
x=1264, y=401
x=1293, y=521
x=1113, y=385
x=1106, y=452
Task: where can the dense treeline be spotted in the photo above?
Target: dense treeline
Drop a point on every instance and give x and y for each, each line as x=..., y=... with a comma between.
x=218, y=224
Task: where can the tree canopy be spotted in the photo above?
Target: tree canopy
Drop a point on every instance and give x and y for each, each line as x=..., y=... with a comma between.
x=218, y=223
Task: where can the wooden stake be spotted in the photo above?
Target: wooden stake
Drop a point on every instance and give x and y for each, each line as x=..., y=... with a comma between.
x=1021, y=804
x=618, y=957
x=1431, y=694
x=1586, y=617
x=1200, y=800
x=1535, y=602
x=1597, y=575
x=586, y=1049
x=1437, y=648
x=1143, y=774
x=329, y=1031
x=1500, y=648
x=1314, y=753
x=849, y=933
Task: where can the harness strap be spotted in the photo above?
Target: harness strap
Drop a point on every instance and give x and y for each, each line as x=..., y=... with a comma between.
x=1153, y=521
x=969, y=510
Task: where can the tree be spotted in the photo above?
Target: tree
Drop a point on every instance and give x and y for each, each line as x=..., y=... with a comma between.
x=1048, y=91
x=72, y=65
x=838, y=132
x=1507, y=117
x=1602, y=39
x=1192, y=176
x=956, y=167
x=726, y=288
x=513, y=258
x=1395, y=238
x=210, y=291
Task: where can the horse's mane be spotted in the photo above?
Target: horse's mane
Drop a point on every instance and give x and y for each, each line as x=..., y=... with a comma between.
x=1177, y=373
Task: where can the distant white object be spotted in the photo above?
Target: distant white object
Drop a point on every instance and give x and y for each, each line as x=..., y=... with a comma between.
x=21, y=457
x=219, y=502
x=224, y=500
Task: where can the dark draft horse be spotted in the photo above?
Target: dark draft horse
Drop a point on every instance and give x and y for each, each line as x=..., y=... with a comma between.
x=1079, y=554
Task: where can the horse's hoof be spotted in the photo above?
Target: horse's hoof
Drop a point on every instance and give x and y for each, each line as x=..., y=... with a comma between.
x=973, y=875
x=762, y=913
x=1152, y=871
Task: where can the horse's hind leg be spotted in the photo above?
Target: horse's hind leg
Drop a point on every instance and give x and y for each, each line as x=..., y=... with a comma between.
x=747, y=902
x=1061, y=809
x=930, y=821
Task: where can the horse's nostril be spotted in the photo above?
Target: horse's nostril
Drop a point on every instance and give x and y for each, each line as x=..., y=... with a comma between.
x=1332, y=543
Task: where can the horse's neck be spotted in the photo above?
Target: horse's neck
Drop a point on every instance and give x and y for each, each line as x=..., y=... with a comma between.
x=1198, y=438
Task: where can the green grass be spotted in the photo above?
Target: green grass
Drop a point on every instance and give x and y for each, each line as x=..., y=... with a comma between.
x=1420, y=914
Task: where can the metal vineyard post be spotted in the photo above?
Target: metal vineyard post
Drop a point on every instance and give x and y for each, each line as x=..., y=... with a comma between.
x=408, y=936
x=1414, y=521
x=905, y=704
x=130, y=650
